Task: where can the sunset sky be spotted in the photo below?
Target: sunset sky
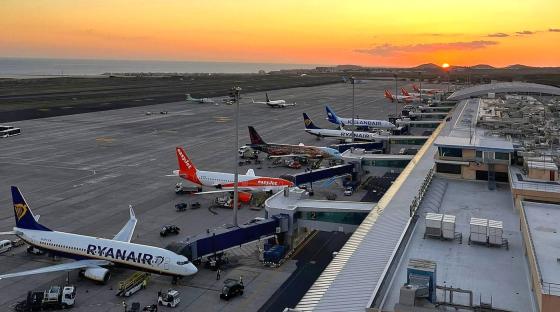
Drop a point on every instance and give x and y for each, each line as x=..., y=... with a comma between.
x=375, y=33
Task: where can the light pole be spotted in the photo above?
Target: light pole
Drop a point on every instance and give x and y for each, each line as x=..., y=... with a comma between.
x=396, y=96
x=235, y=91
x=352, y=80
x=420, y=83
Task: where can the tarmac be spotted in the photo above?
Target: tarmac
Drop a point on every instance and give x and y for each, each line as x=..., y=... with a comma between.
x=80, y=172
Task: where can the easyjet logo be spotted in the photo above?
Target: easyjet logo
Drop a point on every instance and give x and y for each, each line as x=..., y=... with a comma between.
x=21, y=210
x=185, y=159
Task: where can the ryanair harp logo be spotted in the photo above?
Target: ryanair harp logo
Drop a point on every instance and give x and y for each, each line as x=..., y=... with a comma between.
x=307, y=121
x=21, y=210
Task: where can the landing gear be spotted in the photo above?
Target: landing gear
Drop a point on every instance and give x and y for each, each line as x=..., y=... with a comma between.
x=174, y=280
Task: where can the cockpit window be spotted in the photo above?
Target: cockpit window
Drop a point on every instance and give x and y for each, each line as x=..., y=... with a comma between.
x=183, y=262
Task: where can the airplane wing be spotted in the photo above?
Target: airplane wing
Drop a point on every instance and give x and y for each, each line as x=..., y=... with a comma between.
x=8, y=233
x=125, y=234
x=82, y=264
x=227, y=190
x=291, y=155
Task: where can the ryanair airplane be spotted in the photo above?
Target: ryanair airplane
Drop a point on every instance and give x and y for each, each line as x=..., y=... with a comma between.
x=93, y=254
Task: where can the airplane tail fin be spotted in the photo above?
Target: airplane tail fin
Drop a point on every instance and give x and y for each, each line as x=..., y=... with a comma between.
x=24, y=217
x=415, y=88
x=187, y=169
x=331, y=116
x=404, y=92
x=255, y=137
x=389, y=96
x=308, y=122
x=267, y=99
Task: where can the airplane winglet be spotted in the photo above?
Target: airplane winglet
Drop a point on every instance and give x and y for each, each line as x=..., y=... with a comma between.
x=132, y=214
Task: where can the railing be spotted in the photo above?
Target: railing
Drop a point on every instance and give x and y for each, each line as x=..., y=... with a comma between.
x=550, y=288
x=421, y=192
x=536, y=186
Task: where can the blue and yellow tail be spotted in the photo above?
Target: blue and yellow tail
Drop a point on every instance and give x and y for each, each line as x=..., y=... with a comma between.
x=308, y=123
x=24, y=217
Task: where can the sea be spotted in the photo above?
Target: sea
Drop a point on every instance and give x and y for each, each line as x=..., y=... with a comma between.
x=43, y=67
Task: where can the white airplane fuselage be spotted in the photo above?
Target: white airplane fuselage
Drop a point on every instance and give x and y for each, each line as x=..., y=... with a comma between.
x=136, y=256
x=344, y=134
x=378, y=124
x=225, y=180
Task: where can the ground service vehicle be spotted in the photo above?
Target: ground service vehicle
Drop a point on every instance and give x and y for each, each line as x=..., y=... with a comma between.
x=246, y=152
x=348, y=191
x=150, y=308
x=168, y=230
x=232, y=288
x=35, y=251
x=182, y=189
x=56, y=297
x=181, y=206
x=134, y=283
x=5, y=245
x=169, y=299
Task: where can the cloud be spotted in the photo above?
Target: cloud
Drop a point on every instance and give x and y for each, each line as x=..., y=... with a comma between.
x=554, y=29
x=525, y=32
x=388, y=49
x=498, y=35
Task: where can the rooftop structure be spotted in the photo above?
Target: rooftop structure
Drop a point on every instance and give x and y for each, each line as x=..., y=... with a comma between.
x=503, y=87
x=540, y=229
x=473, y=267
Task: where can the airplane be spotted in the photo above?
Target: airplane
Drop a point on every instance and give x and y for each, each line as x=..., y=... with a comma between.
x=349, y=80
x=429, y=91
x=224, y=181
x=287, y=150
x=93, y=254
x=399, y=98
x=337, y=133
x=201, y=100
x=427, y=96
x=274, y=103
x=369, y=123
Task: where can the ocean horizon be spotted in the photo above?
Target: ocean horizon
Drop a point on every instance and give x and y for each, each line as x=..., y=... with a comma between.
x=29, y=67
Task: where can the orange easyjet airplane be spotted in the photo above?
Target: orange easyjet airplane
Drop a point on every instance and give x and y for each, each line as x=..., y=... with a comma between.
x=224, y=181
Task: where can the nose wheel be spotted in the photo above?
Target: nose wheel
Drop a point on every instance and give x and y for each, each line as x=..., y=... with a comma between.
x=174, y=280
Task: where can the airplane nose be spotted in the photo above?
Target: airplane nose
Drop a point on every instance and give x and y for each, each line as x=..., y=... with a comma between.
x=191, y=269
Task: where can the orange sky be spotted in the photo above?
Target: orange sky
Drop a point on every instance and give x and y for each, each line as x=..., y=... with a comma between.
x=384, y=33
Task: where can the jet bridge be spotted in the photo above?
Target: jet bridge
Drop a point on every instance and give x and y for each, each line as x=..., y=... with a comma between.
x=221, y=239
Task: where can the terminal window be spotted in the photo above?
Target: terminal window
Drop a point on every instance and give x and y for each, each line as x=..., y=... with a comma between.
x=450, y=152
x=448, y=168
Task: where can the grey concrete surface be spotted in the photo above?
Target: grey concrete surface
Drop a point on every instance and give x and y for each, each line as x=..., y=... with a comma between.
x=493, y=274
x=80, y=172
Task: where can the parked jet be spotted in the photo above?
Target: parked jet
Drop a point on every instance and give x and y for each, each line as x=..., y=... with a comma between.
x=195, y=100
x=93, y=254
x=370, y=123
x=399, y=98
x=428, y=91
x=287, y=150
x=425, y=96
x=274, y=103
x=224, y=181
x=335, y=133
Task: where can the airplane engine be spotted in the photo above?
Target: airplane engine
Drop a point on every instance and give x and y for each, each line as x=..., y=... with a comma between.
x=245, y=197
x=100, y=275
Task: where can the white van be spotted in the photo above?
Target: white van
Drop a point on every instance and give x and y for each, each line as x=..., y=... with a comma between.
x=5, y=245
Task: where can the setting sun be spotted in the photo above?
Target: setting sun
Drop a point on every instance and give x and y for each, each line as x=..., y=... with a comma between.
x=445, y=65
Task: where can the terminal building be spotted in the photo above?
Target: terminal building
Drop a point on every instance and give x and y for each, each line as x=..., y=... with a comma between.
x=469, y=224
